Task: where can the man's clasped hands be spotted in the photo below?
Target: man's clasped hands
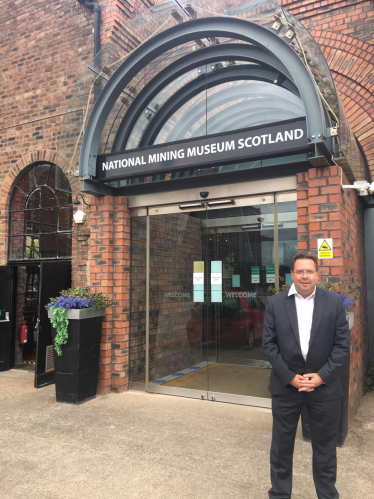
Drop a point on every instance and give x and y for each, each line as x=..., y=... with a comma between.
x=306, y=382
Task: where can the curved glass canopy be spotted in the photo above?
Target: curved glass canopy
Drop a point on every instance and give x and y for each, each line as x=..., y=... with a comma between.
x=193, y=71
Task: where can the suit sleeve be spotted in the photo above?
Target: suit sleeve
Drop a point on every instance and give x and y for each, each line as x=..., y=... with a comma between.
x=271, y=348
x=341, y=346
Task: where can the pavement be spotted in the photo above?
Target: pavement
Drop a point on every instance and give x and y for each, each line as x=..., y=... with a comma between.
x=136, y=446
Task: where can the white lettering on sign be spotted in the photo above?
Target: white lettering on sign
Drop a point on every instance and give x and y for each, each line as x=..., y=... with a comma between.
x=112, y=165
x=227, y=145
x=296, y=134
x=194, y=151
x=165, y=156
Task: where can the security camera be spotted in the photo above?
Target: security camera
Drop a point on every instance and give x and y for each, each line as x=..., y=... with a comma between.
x=204, y=194
x=362, y=186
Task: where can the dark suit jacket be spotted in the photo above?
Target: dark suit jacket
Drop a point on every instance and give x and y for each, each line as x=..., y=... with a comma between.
x=328, y=347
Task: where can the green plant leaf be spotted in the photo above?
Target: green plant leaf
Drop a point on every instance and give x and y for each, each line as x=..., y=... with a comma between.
x=60, y=322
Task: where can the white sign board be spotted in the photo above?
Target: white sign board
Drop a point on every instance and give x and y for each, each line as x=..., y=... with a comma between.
x=198, y=277
x=325, y=248
x=216, y=278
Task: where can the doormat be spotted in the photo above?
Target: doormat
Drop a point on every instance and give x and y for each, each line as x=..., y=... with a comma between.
x=227, y=378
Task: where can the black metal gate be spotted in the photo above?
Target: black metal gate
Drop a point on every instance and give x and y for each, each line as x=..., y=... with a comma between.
x=7, y=310
x=54, y=276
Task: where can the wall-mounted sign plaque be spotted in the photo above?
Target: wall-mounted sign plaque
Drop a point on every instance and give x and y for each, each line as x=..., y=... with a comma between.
x=282, y=138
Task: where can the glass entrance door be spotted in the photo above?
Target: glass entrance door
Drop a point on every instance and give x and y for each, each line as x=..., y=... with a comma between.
x=209, y=269
x=240, y=253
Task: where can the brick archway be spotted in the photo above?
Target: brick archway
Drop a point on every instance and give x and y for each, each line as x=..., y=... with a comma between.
x=351, y=62
x=7, y=186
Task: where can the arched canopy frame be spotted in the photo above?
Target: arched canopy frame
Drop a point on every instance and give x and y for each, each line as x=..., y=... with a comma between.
x=214, y=27
x=268, y=66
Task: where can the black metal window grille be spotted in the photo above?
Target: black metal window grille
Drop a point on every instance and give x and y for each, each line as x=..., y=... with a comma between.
x=40, y=217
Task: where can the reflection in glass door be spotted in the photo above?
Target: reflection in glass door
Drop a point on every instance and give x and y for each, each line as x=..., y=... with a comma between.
x=239, y=243
x=211, y=267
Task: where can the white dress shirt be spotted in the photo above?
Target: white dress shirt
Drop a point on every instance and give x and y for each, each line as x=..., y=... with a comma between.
x=304, y=310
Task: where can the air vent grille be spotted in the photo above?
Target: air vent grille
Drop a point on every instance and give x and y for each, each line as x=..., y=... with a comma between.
x=49, y=362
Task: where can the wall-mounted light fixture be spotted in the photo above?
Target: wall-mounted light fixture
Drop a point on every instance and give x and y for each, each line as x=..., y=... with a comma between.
x=80, y=216
x=362, y=186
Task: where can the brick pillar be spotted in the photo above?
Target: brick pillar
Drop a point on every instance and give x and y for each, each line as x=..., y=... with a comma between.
x=325, y=210
x=101, y=276
x=302, y=212
x=109, y=273
x=121, y=296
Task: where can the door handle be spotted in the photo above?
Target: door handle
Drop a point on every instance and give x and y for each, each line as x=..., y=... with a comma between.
x=6, y=317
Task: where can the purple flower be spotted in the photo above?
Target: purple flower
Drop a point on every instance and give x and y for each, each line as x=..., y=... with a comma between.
x=72, y=302
x=348, y=302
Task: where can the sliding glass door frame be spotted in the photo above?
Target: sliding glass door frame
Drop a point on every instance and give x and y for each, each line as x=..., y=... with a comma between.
x=274, y=199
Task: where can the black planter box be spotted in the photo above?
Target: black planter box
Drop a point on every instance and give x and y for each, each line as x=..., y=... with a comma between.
x=77, y=369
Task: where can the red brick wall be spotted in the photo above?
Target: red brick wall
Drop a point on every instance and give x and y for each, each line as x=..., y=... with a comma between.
x=325, y=210
x=138, y=299
x=344, y=29
x=80, y=263
x=109, y=273
x=352, y=17
x=45, y=48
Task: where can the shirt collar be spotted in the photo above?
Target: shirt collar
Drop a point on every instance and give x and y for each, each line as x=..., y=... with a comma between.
x=293, y=291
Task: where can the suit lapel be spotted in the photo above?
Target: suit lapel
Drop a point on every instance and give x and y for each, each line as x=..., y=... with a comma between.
x=290, y=306
x=319, y=304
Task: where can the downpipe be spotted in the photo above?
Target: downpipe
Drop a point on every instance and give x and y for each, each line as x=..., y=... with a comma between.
x=95, y=7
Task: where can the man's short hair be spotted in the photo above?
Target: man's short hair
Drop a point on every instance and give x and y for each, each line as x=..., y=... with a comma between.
x=304, y=255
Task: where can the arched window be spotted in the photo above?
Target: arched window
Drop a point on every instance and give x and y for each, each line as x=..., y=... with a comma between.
x=40, y=217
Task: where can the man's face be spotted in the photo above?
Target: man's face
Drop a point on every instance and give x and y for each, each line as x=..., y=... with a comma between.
x=305, y=276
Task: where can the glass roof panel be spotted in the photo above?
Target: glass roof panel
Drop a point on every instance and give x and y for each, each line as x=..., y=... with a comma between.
x=231, y=106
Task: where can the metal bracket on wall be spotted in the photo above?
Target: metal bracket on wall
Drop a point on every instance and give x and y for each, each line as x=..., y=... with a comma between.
x=320, y=156
x=330, y=132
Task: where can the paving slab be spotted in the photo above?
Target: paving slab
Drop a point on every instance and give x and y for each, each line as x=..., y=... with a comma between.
x=137, y=445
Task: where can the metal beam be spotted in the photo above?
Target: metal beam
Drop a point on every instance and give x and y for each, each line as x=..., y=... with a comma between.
x=219, y=27
x=92, y=187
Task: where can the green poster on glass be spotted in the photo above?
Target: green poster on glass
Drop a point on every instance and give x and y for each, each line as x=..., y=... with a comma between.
x=270, y=273
x=255, y=275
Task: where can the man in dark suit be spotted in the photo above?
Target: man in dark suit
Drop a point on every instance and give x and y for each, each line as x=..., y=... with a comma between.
x=306, y=338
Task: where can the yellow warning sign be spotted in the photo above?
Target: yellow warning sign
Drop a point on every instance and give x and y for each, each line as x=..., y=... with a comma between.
x=325, y=248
